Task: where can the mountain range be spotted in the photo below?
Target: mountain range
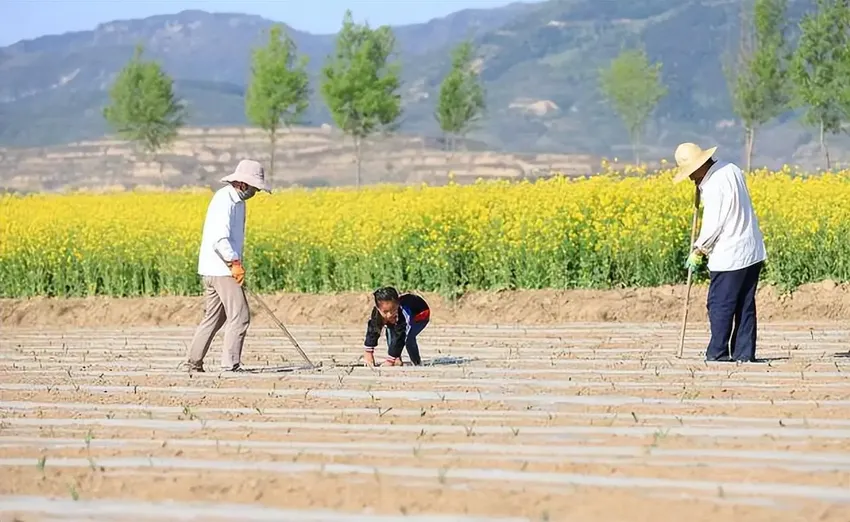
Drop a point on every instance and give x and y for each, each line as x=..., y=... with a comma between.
x=539, y=63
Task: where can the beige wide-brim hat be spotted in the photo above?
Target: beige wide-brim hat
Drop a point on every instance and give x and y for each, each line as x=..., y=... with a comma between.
x=689, y=158
x=250, y=172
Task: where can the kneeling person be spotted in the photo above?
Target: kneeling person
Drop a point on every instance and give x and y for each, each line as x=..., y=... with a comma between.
x=404, y=316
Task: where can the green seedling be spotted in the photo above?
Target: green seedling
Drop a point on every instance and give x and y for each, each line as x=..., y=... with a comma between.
x=42, y=461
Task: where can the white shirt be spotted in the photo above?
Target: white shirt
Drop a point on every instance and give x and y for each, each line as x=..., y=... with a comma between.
x=224, y=233
x=730, y=232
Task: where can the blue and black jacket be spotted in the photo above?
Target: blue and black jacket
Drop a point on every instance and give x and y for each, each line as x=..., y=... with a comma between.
x=410, y=305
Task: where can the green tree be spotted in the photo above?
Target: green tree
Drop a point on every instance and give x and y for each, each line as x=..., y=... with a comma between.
x=633, y=86
x=360, y=85
x=758, y=80
x=461, y=101
x=279, y=91
x=144, y=108
x=820, y=69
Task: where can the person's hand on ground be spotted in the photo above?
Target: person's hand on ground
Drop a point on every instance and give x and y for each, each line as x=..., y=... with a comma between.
x=369, y=359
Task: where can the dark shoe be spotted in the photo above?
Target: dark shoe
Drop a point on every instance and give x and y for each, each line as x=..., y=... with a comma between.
x=196, y=367
x=724, y=358
x=237, y=369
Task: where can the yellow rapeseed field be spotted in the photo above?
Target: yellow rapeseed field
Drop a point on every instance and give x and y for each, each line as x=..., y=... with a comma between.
x=601, y=231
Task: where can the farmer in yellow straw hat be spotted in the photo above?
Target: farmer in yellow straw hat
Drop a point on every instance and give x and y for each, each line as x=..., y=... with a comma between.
x=220, y=266
x=731, y=238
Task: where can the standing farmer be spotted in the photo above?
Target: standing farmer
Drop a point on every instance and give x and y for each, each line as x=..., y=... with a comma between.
x=220, y=265
x=731, y=237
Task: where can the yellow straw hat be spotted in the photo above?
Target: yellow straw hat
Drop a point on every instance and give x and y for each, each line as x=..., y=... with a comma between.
x=689, y=158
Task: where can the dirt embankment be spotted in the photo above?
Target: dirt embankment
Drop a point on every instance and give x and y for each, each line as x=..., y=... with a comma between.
x=815, y=302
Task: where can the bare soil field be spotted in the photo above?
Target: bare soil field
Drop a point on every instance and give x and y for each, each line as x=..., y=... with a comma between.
x=820, y=301
x=515, y=415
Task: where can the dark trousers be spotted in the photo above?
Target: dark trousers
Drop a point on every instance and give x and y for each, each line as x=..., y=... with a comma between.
x=732, y=314
x=413, y=329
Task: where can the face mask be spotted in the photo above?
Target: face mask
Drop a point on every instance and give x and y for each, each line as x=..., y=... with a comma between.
x=247, y=193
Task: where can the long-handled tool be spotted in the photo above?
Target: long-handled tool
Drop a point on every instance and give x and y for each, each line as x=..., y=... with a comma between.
x=690, y=276
x=268, y=310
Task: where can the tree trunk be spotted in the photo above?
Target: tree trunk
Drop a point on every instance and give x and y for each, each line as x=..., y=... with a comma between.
x=823, y=147
x=634, y=137
x=357, y=150
x=750, y=141
x=272, y=144
x=161, y=176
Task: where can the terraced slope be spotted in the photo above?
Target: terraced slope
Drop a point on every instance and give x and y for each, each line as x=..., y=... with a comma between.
x=581, y=422
x=307, y=156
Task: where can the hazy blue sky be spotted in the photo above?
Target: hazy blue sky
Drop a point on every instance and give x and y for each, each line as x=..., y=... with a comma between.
x=26, y=19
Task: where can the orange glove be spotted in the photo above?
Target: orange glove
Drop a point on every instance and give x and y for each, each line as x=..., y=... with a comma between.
x=238, y=271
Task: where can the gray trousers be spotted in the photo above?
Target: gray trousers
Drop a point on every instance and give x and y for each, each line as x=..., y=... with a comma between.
x=225, y=305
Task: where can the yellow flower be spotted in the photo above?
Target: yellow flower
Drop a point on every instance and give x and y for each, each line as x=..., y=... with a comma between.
x=559, y=232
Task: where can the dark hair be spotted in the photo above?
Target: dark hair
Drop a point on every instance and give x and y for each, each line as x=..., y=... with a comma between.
x=386, y=293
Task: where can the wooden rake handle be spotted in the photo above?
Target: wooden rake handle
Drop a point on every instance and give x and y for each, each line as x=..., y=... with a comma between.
x=690, y=275
x=280, y=325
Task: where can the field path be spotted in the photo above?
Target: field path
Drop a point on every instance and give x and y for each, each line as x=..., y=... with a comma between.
x=582, y=421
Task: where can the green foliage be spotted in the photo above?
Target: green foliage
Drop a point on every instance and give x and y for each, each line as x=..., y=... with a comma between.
x=279, y=91
x=759, y=84
x=461, y=100
x=359, y=84
x=633, y=86
x=525, y=55
x=144, y=108
x=605, y=231
x=820, y=68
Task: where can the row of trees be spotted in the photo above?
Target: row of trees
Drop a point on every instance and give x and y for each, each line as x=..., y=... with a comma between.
x=359, y=84
x=766, y=77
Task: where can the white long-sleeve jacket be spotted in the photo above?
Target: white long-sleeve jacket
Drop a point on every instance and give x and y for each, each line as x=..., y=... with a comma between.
x=730, y=232
x=224, y=233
